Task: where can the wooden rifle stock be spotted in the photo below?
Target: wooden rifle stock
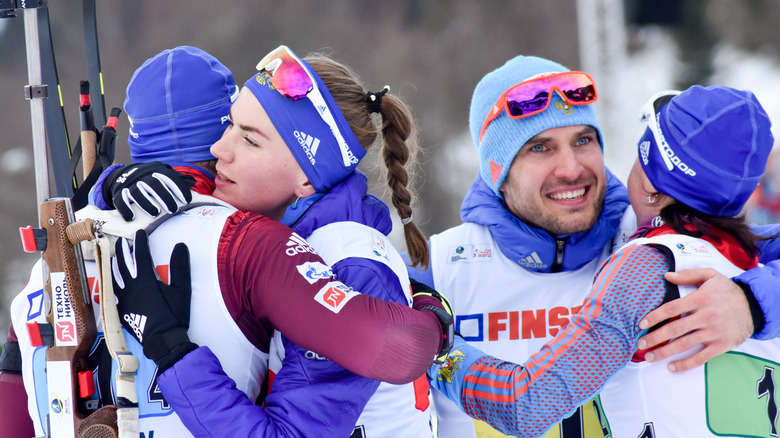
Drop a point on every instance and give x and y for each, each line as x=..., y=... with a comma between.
x=73, y=322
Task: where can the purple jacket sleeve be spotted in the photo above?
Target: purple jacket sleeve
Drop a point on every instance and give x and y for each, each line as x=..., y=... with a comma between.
x=764, y=282
x=207, y=400
x=96, y=192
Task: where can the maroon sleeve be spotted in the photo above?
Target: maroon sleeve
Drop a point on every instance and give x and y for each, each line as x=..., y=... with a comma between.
x=12, y=334
x=14, y=419
x=15, y=422
x=258, y=264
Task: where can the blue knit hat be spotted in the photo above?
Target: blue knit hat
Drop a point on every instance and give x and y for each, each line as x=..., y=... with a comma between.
x=505, y=136
x=709, y=149
x=178, y=104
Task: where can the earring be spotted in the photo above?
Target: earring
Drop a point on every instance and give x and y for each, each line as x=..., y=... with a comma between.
x=652, y=198
x=295, y=203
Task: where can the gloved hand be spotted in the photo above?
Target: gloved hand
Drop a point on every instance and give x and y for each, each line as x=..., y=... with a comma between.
x=154, y=186
x=425, y=297
x=156, y=314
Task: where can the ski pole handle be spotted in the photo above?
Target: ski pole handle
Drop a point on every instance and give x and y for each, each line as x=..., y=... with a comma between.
x=88, y=133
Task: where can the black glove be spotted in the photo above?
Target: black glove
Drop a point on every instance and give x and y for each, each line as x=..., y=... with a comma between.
x=158, y=315
x=154, y=186
x=425, y=297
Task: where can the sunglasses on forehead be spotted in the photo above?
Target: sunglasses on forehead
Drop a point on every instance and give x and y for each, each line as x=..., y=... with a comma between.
x=649, y=116
x=292, y=79
x=534, y=95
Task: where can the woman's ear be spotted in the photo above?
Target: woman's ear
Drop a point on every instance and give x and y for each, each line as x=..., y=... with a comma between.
x=305, y=189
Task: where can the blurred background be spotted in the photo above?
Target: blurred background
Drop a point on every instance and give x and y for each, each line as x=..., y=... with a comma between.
x=431, y=52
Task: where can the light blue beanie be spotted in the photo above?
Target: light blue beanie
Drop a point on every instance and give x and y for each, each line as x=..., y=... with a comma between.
x=505, y=136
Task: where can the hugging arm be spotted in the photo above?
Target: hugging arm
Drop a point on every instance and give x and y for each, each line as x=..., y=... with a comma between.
x=526, y=399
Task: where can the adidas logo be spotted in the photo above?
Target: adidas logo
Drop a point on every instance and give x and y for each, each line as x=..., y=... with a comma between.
x=532, y=261
x=644, y=151
x=123, y=177
x=495, y=171
x=137, y=323
x=322, y=109
x=297, y=245
x=310, y=144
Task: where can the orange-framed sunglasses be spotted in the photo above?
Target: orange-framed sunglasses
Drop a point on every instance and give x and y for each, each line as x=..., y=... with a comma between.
x=533, y=96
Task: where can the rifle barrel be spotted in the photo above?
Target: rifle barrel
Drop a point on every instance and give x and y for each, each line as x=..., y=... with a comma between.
x=34, y=78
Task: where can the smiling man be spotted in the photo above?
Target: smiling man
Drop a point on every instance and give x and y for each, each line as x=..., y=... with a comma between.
x=538, y=221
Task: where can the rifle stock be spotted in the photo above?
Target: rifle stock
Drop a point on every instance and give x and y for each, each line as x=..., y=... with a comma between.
x=73, y=321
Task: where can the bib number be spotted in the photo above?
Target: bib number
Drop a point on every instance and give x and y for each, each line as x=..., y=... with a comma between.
x=741, y=395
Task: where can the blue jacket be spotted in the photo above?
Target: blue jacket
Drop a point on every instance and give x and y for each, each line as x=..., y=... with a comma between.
x=309, y=397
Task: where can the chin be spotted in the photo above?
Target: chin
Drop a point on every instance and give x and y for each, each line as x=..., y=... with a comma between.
x=578, y=224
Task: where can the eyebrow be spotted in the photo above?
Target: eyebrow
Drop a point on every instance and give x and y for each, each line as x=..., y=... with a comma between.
x=538, y=138
x=244, y=127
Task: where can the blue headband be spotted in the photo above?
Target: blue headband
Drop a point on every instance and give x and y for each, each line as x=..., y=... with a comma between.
x=308, y=137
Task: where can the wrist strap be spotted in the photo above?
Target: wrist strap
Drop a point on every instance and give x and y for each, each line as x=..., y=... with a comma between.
x=447, y=331
x=157, y=345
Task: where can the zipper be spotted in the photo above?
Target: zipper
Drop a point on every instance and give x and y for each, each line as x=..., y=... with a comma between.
x=560, y=245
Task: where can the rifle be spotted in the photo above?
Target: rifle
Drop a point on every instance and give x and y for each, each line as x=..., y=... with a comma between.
x=71, y=318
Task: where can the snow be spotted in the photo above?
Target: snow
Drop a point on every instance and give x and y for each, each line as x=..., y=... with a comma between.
x=16, y=161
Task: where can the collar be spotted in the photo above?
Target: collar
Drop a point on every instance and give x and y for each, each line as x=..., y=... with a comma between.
x=519, y=241
x=346, y=201
x=726, y=246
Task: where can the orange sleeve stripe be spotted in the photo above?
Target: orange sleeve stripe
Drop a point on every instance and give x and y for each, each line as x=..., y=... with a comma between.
x=491, y=370
x=506, y=385
x=482, y=395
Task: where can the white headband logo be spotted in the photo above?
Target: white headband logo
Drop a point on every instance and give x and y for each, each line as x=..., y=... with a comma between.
x=670, y=158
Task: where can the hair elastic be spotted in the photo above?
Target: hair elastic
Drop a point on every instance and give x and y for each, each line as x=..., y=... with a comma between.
x=375, y=99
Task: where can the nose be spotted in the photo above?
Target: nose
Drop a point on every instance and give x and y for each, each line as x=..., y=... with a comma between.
x=568, y=165
x=221, y=149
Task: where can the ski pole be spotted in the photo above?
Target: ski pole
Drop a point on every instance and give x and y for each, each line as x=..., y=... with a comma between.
x=59, y=147
x=94, y=73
